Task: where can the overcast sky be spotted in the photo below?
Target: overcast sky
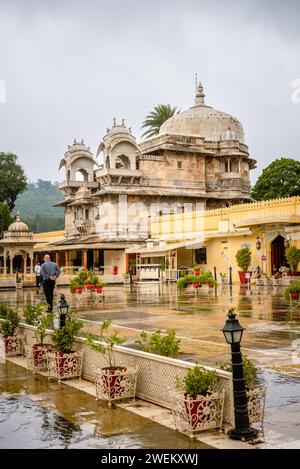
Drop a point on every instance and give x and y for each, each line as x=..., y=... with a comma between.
x=69, y=67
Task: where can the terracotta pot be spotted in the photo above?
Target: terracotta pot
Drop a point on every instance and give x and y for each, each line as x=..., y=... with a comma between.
x=194, y=408
x=110, y=379
x=294, y=295
x=196, y=285
x=196, y=272
x=89, y=286
x=242, y=276
x=99, y=289
x=84, y=276
x=78, y=290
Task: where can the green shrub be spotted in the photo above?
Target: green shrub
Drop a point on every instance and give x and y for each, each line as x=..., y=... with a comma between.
x=105, y=343
x=293, y=257
x=64, y=338
x=198, y=381
x=166, y=344
x=250, y=370
x=44, y=322
x=3, y=310
x=33, y=313
x=243, y=259
x=182, y=283
x=10, y=323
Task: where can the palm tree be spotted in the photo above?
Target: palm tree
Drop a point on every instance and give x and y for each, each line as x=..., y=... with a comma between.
x=156, y=118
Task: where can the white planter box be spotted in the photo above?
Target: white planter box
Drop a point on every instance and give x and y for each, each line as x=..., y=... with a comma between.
x=13, y=345
x=192, y=415
x=64, y=365
x=116, y=385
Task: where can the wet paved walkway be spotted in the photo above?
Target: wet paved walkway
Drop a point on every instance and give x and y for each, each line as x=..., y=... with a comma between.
x=36, y=413
x=271, y=338
x=272, y=335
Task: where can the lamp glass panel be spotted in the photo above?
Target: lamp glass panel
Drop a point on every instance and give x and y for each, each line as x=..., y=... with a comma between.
x=228, y=337
x=237, y=337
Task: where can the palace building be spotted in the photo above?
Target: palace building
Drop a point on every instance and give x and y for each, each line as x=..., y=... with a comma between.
x=198, y=159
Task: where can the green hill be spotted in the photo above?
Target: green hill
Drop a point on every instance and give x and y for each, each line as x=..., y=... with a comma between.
x=36, y=206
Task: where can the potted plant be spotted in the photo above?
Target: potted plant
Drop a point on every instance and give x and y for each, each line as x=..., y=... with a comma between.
x=112, y=382
x=89, y=284
x=197, y=404
x=64, y=362
x=99, y=286
x=292, y=292
x=182, y=283
x=9, y=323
x=75, y=284
x=197, y=269
x=166, y=344
x=292, y=255
x=84, y=275
x=243, y=259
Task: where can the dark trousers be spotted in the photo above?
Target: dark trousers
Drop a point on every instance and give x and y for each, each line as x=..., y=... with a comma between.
x=48, y=286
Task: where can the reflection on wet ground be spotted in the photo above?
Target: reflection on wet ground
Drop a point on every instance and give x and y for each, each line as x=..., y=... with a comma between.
x=36, y=413
x=272, y=326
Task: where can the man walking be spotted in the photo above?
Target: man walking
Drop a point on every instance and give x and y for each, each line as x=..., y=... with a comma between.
x=49, y=272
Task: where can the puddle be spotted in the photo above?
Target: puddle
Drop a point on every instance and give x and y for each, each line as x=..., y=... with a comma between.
x=36, y=413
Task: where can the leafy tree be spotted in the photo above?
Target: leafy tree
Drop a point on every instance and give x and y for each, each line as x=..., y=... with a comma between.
x=36, y=206
x=155, y=119
x=280, y=179
x=5, y=218
x=12, y=179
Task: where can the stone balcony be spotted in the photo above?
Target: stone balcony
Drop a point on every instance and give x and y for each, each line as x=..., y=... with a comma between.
x=118, y=176
x=78, y=184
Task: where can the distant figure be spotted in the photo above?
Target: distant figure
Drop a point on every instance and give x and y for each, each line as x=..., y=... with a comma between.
x=38, y=277
x=49, y=272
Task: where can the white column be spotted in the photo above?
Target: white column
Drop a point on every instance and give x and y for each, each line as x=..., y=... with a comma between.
x=25, y=264
x=31, y=263
x=11, y=257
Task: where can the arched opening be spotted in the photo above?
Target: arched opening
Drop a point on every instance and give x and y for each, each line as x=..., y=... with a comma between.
x=123, y=161
x=81, y=175
x=68, y=175
x=278, y=258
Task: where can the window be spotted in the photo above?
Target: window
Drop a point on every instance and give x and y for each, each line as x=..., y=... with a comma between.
x=200, y=256
x=137, y=164
x=179, y=164
x=87, y=214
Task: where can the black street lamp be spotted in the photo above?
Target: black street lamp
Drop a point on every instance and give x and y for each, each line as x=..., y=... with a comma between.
x=233, y=332
x=63, y=308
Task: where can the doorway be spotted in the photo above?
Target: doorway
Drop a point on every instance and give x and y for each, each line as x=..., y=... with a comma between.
x=277, y=254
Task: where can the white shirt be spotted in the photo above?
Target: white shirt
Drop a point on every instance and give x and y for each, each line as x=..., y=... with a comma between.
x=37, y=269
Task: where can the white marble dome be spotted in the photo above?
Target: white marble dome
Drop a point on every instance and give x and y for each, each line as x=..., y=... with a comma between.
x=202, y=121
x=18, y=226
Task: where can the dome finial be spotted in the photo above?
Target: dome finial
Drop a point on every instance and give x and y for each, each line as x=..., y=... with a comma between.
x=18, y=218
x=200, y=95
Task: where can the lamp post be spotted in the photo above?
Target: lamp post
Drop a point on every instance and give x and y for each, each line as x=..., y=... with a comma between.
x=63, y=308
x=233, y=332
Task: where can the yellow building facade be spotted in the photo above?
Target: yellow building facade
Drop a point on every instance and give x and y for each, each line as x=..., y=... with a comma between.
x=213, y=237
